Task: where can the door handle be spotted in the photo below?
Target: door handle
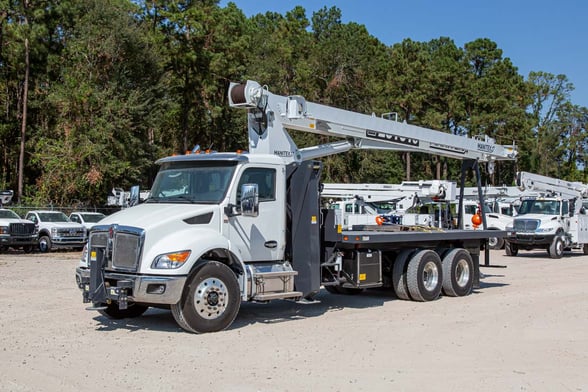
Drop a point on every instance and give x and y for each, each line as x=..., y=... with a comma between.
x=271, y=244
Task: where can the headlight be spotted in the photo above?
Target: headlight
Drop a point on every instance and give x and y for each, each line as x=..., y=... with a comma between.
x=171, y=260
x=53, y=231
x=3, y=229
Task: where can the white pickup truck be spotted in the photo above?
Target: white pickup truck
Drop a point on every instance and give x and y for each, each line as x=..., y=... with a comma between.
x=56, y=230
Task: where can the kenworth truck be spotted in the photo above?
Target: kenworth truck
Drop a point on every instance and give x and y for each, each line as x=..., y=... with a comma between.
x=551, y=216
x=222, y=228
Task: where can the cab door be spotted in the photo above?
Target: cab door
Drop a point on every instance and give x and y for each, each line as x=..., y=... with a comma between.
x=261, y=237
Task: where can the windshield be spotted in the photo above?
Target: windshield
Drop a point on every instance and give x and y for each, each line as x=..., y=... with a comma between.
x=192, y=182
x=53, y=217
x=8, y=214
x=92, y=218
x=545, y=207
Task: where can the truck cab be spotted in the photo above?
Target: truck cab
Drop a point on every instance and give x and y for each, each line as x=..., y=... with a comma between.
x=541, y=222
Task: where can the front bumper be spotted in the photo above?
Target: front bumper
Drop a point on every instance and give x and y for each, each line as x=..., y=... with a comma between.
x=530, y=239
x=18, y=241
x=166, y=290
x=68, y=241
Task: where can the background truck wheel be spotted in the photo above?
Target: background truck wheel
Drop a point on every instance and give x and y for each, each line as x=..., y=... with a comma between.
x=511, y=249
x=585, y=249
x=556, y=249
x=44, y=243
x=424, y=276
x=27, y=248
x=133, y=310
x=210, y=301
x=458, y=273
x=399, y=274
x=495, y=243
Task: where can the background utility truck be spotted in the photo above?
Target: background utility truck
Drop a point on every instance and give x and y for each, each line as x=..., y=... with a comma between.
x=221, y=228
x=550, y=216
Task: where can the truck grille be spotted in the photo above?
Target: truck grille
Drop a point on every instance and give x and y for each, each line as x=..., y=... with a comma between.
x=123, y=246
x=526, y=225
x=22, y=228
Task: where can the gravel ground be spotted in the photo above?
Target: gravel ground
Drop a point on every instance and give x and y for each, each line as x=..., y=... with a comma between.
x=525, y=329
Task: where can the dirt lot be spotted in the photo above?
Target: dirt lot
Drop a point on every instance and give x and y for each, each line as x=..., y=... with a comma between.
x=525, y=329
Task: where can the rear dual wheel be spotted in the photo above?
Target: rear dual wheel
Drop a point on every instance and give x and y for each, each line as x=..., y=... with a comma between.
x=421, y=275
x=458, y=272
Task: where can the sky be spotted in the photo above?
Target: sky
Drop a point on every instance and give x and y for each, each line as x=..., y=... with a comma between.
x=537, y=35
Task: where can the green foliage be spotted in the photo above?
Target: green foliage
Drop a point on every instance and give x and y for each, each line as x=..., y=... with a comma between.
x=116, y=84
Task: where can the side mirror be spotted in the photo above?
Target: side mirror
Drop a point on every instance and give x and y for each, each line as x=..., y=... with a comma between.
x=249, y=200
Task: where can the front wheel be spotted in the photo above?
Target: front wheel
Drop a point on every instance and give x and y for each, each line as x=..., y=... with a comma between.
x=511, y=249
x=44, y=243
x=210, y=301
x=556, y=249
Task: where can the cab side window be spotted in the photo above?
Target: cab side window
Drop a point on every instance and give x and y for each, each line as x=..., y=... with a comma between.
x=265, y=180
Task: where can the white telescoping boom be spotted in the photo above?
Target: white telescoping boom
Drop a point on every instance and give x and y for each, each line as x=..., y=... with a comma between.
x=273, y=115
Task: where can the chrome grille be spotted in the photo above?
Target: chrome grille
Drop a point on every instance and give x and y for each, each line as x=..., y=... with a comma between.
x=123, y=246
x=22, y=228
x=526, y=225
x=126, y=250
x=71, y=232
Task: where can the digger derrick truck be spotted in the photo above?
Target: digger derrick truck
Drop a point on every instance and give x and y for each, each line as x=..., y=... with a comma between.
x=550, y=216
x=222, y=228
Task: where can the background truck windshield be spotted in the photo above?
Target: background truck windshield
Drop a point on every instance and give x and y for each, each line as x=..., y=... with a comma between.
x=545, y=207
x=191, y=182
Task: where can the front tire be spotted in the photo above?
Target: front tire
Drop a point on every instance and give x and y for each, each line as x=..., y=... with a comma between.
x=511, y=249
x=424, y=276
x=133, y=310
x=44, y=243
x=210, y=301
x=556, y=249
x=458, y=273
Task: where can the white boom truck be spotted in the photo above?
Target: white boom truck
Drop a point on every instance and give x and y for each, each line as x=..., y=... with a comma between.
x=496, y=208
x=359, y=202
x=549, y=217
x=222, y=228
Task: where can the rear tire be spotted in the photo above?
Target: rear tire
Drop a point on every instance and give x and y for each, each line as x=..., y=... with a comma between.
x=399, y=275
x=424, y=276
x=495, y=243
x=458, y=273
x=585, y=249
x=210, y=301
x=511, y=249
x=27, y=248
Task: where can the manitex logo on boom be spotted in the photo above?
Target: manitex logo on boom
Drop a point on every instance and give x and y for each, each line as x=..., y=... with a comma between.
x=486, y=147
x=391, y=138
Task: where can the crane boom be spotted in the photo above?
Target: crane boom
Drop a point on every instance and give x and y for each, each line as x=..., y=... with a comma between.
x=271, y=116
x=531, y=182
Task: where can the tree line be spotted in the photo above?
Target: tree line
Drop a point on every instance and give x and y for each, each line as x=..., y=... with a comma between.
x=92, y=92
